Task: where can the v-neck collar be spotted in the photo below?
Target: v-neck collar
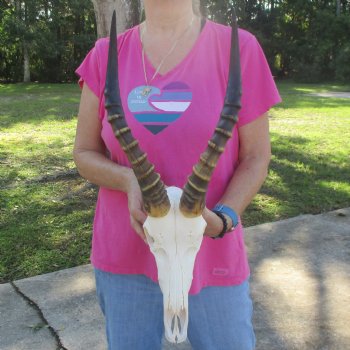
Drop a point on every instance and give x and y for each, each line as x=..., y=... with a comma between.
x=152, y=69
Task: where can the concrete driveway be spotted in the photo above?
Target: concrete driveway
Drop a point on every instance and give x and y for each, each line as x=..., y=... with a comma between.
x=300, y=285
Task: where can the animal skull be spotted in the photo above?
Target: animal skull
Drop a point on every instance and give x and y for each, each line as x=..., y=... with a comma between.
x=174, y=241
x=174, y=227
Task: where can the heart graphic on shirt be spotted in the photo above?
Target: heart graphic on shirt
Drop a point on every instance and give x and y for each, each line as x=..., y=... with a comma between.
x=156, y=109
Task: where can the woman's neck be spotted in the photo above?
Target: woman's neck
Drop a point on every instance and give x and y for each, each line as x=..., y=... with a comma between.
x=168, y=17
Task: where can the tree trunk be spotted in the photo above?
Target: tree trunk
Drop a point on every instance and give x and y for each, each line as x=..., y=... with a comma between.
x=338, y=8
x=128, y=14
x=196, y=4
x=134, y=13
x=26, y=77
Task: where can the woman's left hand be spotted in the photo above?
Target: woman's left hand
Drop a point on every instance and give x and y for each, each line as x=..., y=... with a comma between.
x=214, y=223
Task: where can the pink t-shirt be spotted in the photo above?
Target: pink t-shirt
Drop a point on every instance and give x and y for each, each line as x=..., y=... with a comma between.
x=173, y=124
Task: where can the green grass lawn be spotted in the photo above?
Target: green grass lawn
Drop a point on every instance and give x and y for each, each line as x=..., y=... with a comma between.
x=44, y=225
x=45, y=222
x=310, y=167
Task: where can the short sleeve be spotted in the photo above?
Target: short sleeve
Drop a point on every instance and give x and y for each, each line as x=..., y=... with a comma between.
x=259, y=91
x=89, y=72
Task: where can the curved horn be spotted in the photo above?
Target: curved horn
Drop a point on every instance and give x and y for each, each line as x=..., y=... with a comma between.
x=154, y=195
x=192, y=201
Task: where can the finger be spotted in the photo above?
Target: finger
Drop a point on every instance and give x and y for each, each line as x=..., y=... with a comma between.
x=138, y=215
x=141, y=217
x=138, y=228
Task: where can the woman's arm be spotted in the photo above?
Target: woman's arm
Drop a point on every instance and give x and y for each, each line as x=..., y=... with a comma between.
x=90, y=158
x=89, y=150
x=254, y=158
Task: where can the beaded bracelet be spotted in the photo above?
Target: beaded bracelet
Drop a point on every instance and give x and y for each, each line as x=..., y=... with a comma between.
x=224, y=221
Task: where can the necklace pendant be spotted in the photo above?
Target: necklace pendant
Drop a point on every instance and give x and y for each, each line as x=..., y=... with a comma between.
x=146, y=91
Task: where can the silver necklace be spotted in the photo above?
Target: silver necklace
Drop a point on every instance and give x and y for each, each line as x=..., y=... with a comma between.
x=147, y=89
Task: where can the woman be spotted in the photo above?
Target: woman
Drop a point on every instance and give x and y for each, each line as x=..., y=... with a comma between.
x=173, y=71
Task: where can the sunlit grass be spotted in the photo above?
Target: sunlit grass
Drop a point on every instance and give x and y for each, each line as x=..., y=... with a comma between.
x=310, y=167
x=44, y=226
x=37, y=129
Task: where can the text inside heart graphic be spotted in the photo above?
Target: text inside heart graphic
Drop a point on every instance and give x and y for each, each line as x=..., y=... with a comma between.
x=156, y=109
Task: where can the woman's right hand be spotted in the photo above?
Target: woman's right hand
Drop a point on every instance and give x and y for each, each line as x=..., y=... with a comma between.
x=137, y=213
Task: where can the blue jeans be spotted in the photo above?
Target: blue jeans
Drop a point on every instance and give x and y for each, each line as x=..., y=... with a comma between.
x=219, y=317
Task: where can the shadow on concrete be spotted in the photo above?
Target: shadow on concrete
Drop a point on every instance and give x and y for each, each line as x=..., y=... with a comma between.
x=300, y=282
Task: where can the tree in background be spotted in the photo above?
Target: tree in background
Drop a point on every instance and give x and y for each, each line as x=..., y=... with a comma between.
x=307, y=40
x=21, y=26
x=129, y=14
x=44, y=40
x=313, y=39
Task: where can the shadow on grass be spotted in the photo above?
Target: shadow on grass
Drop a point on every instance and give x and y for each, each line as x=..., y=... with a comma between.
x=319, y=166
x=299, y=183
x=286, y=86
x=43, y=110
x=44, y=228
x=306, y=101
x=22, y=88
x=298, y=96
x=37, y=103
x=37, y=159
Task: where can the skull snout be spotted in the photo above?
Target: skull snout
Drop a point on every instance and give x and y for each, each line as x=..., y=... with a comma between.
x=176, y=325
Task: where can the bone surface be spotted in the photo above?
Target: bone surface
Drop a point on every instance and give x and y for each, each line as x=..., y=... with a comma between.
x=175, y=240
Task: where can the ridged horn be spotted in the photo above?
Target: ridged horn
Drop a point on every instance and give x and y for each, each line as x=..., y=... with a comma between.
x=155, y=198
x=192, y=200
